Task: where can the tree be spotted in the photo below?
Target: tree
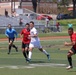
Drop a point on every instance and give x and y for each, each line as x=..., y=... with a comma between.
x=39, y=1
x=20, y=3
x=63, y=2
x=34, y=2
x=74, y=10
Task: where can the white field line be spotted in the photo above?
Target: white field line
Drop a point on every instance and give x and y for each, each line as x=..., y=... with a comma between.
x=33, y=66
x=16, y=67
x=49, y=64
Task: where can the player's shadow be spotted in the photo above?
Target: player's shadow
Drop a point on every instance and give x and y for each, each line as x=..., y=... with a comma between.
x=72, y=71
x=39, y=61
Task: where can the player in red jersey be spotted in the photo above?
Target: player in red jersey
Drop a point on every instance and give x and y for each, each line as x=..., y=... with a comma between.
x=72, y=51
x=25, y=40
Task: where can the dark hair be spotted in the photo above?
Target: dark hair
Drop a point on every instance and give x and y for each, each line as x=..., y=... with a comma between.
x=27, y=24
x=32, y=22
x=9, y=25
x=70, y=28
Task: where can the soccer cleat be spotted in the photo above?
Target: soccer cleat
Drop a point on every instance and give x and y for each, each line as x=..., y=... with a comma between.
x=8, y=53
x=48, y=56
x=16, y=49
x=28, y=60
x=69, y=67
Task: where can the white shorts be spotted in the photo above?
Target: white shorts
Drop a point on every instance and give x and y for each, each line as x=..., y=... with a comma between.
x=35, y=44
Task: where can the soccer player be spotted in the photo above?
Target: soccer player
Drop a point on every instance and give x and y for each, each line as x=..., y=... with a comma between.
x=35, y=42
x=25, y=40
x=11, y=35
x=72, y=51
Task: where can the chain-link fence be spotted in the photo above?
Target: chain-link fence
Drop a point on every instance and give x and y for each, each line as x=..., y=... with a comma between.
x=40, y=28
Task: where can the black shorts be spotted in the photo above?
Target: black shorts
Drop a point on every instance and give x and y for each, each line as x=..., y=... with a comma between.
x=73, y=50
x=25, y=45
x=11, y=39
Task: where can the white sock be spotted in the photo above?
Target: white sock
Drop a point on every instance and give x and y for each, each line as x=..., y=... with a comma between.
x=30, y=54
x=44, y=51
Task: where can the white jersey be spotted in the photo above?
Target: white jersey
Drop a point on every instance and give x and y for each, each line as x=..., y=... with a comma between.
x=32, y=32
x=35, y=41
x=47, y=22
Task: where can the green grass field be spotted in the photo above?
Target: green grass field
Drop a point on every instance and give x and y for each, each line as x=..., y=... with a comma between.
x=15, y=64
x=64, y=33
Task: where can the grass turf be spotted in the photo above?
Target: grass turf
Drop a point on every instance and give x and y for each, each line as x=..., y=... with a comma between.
x=15, y=64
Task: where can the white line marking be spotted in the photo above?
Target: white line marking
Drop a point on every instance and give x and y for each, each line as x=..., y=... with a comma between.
x=13, y=67
x=33, y=66
x=17, y=67
x=48, y=64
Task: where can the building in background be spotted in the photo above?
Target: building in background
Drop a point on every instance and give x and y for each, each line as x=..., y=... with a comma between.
x=6, y=4
x=42, y=7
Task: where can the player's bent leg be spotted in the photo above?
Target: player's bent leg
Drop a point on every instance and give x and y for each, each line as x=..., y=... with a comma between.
x=15, y=47
x=30, y=54
x=24, y=53
x=10, y=45
x=27, y=51
x=70, y=53
x=48, y=56
x=45, y=52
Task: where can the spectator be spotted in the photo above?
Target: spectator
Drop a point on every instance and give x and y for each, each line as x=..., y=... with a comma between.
x=57, y=26
x=13, y=14
x=6, y=13
x=21, y=22
x=47, y=28
x=47, y=22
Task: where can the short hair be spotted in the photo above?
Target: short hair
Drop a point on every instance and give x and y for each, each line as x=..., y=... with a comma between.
x=70, y=28
x=9, y=25
x=32, y=22
x=26, y=24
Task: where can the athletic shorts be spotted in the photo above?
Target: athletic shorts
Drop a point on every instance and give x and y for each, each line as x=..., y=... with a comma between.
x=74, y=50
x=35, y=45
x=25, y=45
x=11, y=39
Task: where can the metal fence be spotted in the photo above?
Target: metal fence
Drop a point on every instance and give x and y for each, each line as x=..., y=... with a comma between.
x=40, y=28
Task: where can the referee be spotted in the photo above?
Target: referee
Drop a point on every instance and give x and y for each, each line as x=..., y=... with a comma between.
x=11, y=35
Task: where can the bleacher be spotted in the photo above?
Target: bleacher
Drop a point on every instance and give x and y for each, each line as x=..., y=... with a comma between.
x=14, y=21
x=4, y=21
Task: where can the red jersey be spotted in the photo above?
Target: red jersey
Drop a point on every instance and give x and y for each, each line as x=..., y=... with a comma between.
x=25, y=34
x=73, y=38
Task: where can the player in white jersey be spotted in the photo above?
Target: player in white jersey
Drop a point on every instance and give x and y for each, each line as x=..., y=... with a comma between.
x=35, y=42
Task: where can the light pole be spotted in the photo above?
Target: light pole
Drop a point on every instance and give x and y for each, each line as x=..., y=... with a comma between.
x=38, y=6
x=20, y=3
x=14, y=5
x=11, y=6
